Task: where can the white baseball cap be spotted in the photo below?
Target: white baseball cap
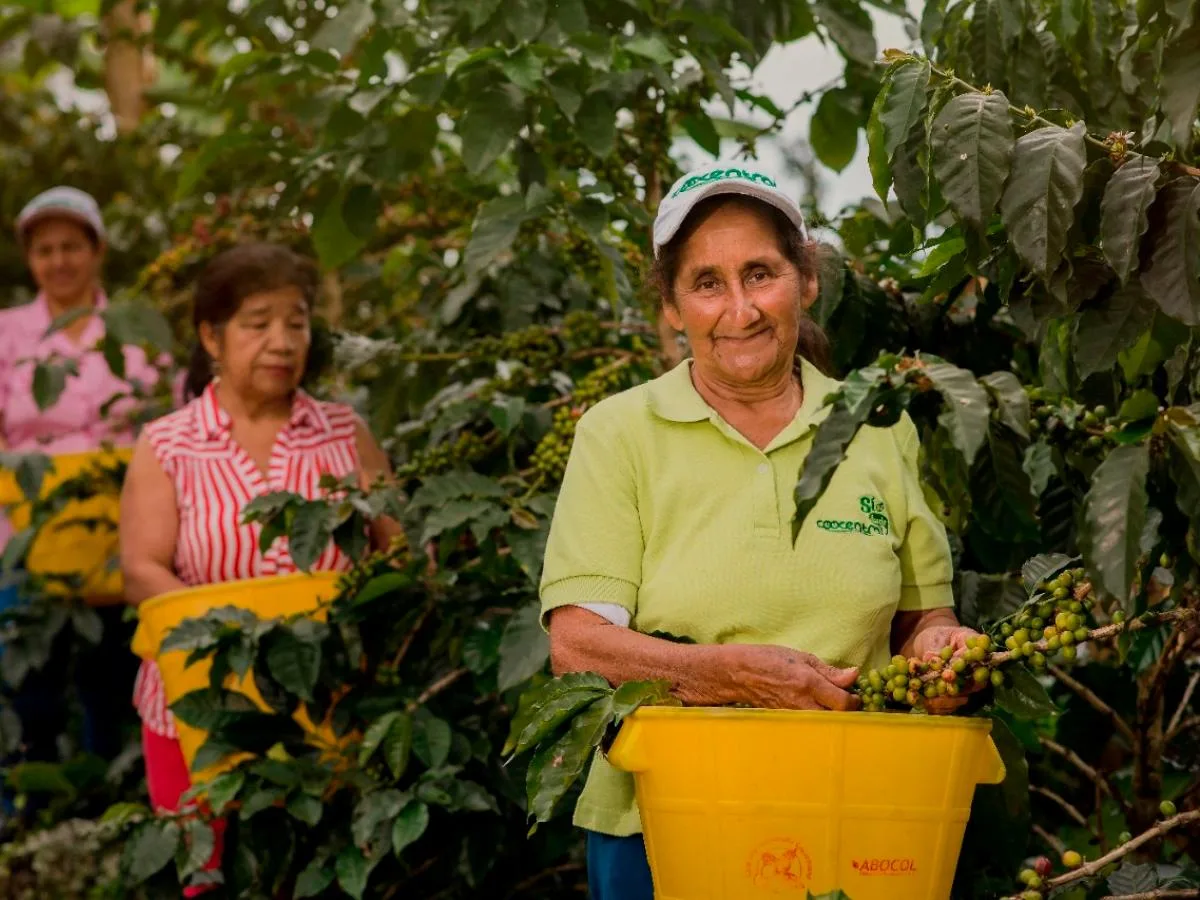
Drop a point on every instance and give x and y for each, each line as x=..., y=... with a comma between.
x=720, y=178
x=61, y=202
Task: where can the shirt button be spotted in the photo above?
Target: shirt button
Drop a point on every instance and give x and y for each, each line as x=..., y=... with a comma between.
x=763, y=468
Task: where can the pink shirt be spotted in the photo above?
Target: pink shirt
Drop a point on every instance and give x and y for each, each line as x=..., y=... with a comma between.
x=215, y=478
x=75, y=422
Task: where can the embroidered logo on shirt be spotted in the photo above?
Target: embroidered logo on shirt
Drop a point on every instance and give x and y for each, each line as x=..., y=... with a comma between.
x=875, y=519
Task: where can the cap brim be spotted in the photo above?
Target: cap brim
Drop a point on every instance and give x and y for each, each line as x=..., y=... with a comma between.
x=666, y=227
x=42, y=215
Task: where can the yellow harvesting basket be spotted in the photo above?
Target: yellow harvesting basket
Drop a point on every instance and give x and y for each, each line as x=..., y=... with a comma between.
x=738, y=804
x=282, y=595
x=62, y=548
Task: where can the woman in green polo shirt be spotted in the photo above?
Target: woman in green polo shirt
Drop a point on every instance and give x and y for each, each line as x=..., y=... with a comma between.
x=675, y=510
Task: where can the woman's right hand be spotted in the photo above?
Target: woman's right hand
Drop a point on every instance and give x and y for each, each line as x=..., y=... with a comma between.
x=771, y=677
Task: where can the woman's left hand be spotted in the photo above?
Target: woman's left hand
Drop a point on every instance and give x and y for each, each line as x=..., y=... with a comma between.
x=928, y=643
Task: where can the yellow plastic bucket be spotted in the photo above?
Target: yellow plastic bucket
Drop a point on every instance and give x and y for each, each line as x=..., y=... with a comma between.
x=740, y=804
x=62, y=548
x=267, y=598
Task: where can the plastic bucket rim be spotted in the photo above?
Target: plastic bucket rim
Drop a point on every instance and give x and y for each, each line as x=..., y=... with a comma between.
x=726, y=712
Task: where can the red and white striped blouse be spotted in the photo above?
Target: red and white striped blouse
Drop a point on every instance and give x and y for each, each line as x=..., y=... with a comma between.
x=215, y=478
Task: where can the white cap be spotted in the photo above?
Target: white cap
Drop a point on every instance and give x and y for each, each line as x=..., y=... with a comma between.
x=720, y=178
x=62, y=202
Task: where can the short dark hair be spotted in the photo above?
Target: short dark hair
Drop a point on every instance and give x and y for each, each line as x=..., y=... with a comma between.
x=228, y=279
x=813, y=343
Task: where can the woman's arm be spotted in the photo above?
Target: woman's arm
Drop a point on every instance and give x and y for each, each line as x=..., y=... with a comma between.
x=373, y=463
x=149, y=527
x=767, y=677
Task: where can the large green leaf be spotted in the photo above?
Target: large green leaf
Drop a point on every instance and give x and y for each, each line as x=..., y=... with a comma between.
x=335, y=243
x=525, y=19
x=910, y=177
x=595, y=123
x=50, y=380
x=524, y=648
x=1038, y=206
x=409, y=826
x=1012, y=403
x=1115, y=325
x=965, y=409
x=542, y=710
x=850, y=27
x=988, y=53
x=492, y=119
x=905, y=104
x=1125, y=212
x=1181, y=84
x=833, y=130
x=1172, y=276
x=353, y=869
x=314, y=879
x=431, y=740
x=1185, y=468
x=342, y=32
x=1023, y=696
x=1114, y=515
x=152, y=846
x=294, y=663
x=829, y=445
x=495, y=228
x=556, y=766
x=309, y=535
x=972, y=143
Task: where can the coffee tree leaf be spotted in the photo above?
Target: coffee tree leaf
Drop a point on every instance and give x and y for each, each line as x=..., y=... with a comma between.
x=151, y=847
x=524, y=648
x=196, y=849
x=490, y=122
x=907, y=100
x=344, y=30
x=1011, y=400
x=50, y=379
x=431, y=741
x=1133, y=879
x=1023, y=696
x=595, y=124
x=314, y=879
x=1172, y=276
x=988, y=53
x=1041, y=567
x=632, y=695
x=556, y=766
x=222, y=789
x=1185, y=468
x=294, y=663
x=965, y=409
x=1038, y=204
x=353, y=870
x=492, y=235
x=1181, y=84
x=1105, y=331
x=310, y=533
x=1125, y=212
x=409, y=826
x=849, y=25
x=833, y=130
x=543, y=709
x=972, y=142
x=1115, y=510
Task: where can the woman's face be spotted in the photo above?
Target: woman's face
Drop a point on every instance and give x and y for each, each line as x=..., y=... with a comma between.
x=64, y=261
x=262, y=350
x=738, y=299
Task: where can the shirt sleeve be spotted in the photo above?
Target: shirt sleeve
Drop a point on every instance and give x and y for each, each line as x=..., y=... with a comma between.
x=594, y=551
x=926, y=565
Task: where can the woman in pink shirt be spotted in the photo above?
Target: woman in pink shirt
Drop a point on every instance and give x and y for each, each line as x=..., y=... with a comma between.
x=63, y=236
x=249, y=430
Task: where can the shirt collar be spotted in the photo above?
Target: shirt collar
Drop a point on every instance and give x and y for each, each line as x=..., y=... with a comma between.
x=674, y=397
x=213, y=421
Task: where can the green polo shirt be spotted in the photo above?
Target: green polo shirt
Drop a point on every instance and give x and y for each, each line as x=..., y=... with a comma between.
x=669, y=512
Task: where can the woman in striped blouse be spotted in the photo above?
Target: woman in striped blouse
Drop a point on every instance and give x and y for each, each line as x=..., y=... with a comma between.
x=248, y=430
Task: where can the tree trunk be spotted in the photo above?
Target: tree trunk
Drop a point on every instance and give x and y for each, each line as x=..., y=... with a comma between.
x=126, y=67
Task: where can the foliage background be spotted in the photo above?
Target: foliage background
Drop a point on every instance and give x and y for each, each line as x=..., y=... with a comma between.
x=477, y=182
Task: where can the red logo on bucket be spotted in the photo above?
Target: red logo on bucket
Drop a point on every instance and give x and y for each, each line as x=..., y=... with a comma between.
x=779, y=865
x=882, y=866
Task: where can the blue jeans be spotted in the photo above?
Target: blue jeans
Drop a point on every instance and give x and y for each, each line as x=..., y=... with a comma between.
x=617, y=868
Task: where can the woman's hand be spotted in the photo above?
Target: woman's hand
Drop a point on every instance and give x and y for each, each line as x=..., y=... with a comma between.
x=771, y=677
x=928, y=643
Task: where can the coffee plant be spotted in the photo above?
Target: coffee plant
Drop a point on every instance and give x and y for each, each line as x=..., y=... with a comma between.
x=477, y=181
